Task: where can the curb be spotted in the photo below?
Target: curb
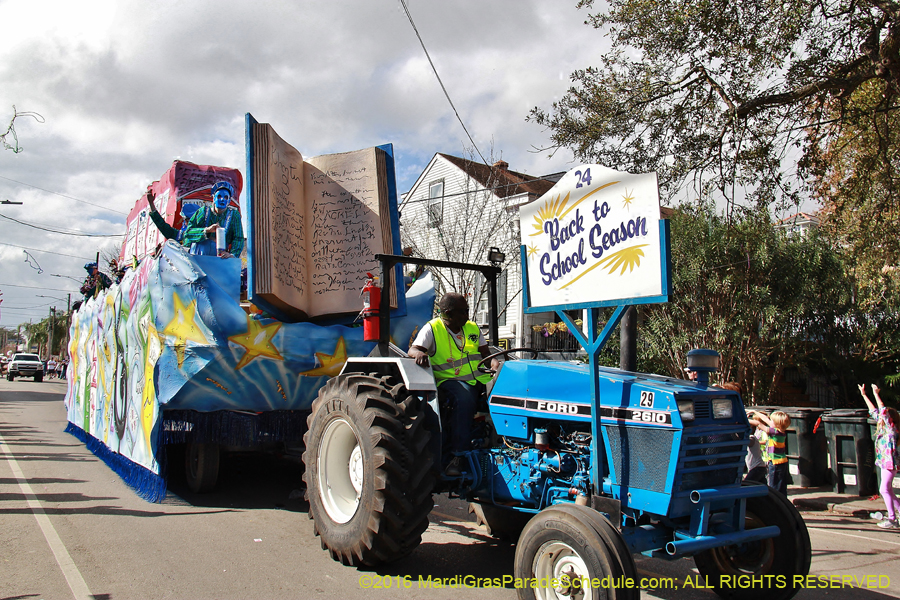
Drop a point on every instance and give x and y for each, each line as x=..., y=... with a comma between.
x=835, y=507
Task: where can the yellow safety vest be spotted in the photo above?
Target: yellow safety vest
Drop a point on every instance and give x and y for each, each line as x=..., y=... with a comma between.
x=449, y=363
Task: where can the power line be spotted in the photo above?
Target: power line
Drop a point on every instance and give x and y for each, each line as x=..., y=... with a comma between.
x=77, y=234
x=41, y=306
x=63, y=195
x=433, y=68
x=47, y=251
x=36, y=287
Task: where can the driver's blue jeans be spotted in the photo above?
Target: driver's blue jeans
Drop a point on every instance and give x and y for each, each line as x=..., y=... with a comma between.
x=461, y=398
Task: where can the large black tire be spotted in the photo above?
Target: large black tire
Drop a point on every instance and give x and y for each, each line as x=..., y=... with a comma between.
x=201, y=466
x=10, y=377
x=564, y=543
x=368, y=469
x=38, y=377
x=502, y=523
x=783, y=557
x=614, y=541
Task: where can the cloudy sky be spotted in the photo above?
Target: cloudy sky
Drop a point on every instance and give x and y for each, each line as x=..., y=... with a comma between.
x=125, y=87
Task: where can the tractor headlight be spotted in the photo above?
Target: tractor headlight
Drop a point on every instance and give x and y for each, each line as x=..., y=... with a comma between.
x=722, y=408
x=686, y=408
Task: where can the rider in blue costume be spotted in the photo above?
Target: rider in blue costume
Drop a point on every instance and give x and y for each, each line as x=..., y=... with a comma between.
x=200, y=235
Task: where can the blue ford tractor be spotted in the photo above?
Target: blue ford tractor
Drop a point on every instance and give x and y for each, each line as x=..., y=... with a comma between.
x=584, y=466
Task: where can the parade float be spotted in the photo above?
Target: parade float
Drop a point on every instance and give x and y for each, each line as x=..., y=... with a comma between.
x=179, y=351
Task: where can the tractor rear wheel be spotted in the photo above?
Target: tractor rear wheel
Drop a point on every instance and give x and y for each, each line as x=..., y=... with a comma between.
x=564, y=553
x=782, y=557
x=368, y=469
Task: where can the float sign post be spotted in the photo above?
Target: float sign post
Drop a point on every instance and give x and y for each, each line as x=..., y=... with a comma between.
x=595, y=240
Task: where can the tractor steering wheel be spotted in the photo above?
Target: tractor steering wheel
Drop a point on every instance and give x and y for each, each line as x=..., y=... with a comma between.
x=483, y=365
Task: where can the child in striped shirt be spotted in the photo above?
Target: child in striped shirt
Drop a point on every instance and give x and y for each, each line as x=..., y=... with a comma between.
x=776, y=450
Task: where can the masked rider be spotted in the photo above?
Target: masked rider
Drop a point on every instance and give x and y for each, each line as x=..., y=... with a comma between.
x=200, y=235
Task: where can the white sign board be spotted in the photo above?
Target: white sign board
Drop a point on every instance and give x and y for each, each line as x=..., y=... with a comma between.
x=594, y=237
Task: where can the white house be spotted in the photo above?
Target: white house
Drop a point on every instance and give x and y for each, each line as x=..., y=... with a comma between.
x=457, y=210
x=798, y=224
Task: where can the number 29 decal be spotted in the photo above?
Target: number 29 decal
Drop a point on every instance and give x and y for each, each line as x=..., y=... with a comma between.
x=647, y=399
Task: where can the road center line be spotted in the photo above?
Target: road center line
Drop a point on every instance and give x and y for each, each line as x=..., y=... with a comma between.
x=73, y=576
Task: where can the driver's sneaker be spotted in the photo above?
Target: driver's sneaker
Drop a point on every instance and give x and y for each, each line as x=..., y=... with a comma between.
x=453, y=469
x=889, y=524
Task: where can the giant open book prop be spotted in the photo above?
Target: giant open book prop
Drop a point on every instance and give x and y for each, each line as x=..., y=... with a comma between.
x=315, y=226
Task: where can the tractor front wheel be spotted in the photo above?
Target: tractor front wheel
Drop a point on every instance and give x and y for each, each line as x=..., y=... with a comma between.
x=782, y=558
x=565, y=551
x=368, y=469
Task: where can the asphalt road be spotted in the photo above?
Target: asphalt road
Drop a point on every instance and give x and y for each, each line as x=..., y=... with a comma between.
x=70, y=528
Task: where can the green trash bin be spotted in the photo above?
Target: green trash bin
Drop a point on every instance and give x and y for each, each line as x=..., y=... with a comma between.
x=807, y=450
x=851, y=453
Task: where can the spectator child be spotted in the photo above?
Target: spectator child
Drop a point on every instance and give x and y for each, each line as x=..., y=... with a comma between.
x=776, y=451
x=887, y=454
x=756, y=464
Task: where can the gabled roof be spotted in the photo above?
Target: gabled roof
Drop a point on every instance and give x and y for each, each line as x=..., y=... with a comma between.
x=499, y=179
x=799, y=218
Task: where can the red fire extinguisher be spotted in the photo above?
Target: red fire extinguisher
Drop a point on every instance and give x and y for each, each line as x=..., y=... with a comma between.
x=371, y=294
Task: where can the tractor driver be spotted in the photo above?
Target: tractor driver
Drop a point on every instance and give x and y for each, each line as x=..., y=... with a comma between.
x=454, y=346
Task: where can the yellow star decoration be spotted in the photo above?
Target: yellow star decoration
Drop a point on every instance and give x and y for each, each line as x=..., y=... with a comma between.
x=628, y=258
x=552, y=209
x=556, y=209
x=330, y=364
x=627, y=198
x=73, y=348
x=152, y=351
x=183, y=328
x=257, y=341
x=532, y=251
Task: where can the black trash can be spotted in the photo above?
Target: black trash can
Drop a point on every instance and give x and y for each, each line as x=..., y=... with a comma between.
x=851, y=453
x=807, y=451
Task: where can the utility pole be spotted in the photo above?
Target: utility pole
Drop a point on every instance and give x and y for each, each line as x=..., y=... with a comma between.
x=50, y=333
x=628, y=340
x=65, y=347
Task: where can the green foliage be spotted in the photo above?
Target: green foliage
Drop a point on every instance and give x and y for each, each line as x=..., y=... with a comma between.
x=716, y=93
x=36, y=334
x=762, y=299
x=856, y=168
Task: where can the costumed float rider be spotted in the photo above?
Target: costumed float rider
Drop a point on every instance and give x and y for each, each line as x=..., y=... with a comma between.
x=169, y=232
x=200, y=235
x=95, y=282
x=454, y=346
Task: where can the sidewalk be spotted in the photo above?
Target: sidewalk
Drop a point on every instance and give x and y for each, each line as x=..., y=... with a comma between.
x=824, y=498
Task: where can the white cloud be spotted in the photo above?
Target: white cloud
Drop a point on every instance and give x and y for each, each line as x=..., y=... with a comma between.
x=127, y=86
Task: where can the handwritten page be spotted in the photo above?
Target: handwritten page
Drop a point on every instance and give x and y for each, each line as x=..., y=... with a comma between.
x=316, y=226
x=281, y=224
x=343, y=199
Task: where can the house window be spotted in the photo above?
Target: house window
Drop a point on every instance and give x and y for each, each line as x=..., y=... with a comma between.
x=436, y=204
